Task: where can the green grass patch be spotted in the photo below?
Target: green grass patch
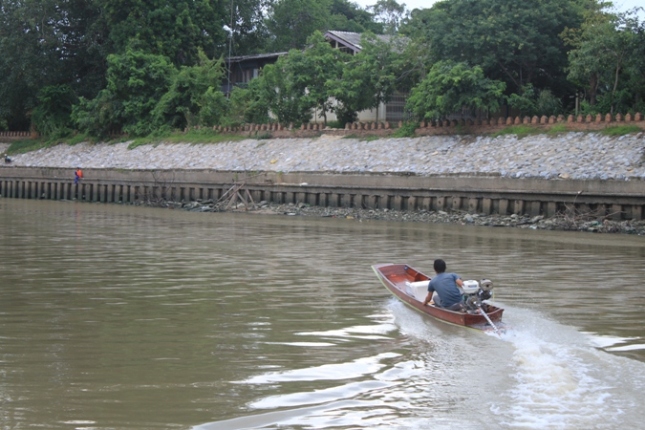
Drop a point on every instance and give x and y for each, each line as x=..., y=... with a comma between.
x=620, y=130
x=557, y=129
x=191, y=136
x=408, y=129
x=27, y=145
x=518, y=130
x=370, y=138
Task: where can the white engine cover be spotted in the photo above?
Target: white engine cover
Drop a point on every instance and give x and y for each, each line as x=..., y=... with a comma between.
x=470, y=287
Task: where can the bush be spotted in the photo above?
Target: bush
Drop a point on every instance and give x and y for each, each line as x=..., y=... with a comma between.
x=52, y=116
x=408, y=129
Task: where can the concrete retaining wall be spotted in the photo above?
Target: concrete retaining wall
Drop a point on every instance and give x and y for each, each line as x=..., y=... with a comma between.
x=475, y=194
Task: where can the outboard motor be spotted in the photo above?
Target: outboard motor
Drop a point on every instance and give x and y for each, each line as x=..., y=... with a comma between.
x=476, y=292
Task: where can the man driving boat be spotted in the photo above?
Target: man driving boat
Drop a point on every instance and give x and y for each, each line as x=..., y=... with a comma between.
x=444, y=289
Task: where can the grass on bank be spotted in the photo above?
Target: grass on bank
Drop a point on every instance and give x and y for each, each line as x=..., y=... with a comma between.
x=523, y=130
x=197, y=136
x=192, y=136
x=29, y=145
x=620, y=130
x=520, y=131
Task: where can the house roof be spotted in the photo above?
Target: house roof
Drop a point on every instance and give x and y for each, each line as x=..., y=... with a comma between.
x=270, y=55
x=350, y=39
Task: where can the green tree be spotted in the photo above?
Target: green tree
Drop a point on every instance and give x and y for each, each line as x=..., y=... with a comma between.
x=348, y=16
x=370, y=77
x=530, y=101
x=173, y=28
x=314, y=70
x=136, y=81
x=606, y=58
x=454, y=87
x=247, y=27
x=51, y=117
x=516, y=42
x=390, y=14
x=276, y=90
x=194, y=97
x=247, y=105
x=48, y=43
x=291, y=22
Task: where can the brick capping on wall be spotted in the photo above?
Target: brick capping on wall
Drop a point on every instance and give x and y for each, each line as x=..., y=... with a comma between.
x=10, y=136
x=574, y=123
x=571, y=122
x=479, y=126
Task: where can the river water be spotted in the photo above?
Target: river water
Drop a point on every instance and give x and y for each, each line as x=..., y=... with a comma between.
x=116, y=317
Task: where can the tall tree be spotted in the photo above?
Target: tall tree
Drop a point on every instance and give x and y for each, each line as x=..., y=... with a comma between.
x=194, y=97
x=48, y=43
x=314, y=70
x=349, y=16
x=390, y=13
x=136, y=81
x=246, y=26
x=275, y=91
x=517, y=42
x=172, y=28
x=453, y=87
x=370, y=77
x=291, y=22
x=607, y=55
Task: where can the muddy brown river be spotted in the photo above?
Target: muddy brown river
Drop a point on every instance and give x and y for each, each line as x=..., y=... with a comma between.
x=118, y=317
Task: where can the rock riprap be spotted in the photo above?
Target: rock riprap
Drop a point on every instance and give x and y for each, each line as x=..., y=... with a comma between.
x=565, y=156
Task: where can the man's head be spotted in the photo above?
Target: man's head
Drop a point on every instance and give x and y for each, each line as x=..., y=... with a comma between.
x=439, y=266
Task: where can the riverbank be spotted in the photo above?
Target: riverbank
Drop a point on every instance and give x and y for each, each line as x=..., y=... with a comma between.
x=565, y=157
x=570, y=220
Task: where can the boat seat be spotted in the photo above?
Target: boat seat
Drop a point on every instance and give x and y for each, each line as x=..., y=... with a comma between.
x=418, y=290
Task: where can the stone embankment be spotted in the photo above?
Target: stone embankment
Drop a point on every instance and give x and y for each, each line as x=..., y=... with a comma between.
x=582, y=156
x=566, y=156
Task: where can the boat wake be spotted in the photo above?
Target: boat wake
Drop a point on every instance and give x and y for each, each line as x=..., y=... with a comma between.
x=536, y=374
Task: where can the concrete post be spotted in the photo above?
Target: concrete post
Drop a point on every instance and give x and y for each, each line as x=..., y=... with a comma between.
x=473, y=204
x=637, y=212
x=334, y=200
x=424, y=203
x=312, y=199
x=503, y=206
x=397, y=203
x=456, y=203
x=383, y=202
x=487, y=206
x=300, y=197
x=535, y=208
x=551, y=208
x=441, y=203
x=518, y=207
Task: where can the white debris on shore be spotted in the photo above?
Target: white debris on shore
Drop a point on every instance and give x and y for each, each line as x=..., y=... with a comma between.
x=566, y=156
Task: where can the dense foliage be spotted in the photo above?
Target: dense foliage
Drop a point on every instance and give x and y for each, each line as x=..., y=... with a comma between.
x=103, y=66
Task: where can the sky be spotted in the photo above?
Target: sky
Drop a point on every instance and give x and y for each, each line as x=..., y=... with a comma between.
x=621, y=5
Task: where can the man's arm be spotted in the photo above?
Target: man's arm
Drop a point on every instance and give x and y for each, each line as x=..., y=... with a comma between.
x=428, y=298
